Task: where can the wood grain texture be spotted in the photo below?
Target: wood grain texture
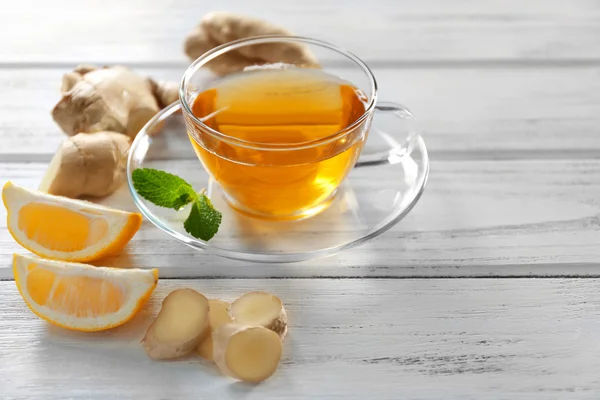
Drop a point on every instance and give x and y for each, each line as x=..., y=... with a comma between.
x=351, y=339
x=464, y=113
x=476, y=218
x=398, y=31
x=508, y=96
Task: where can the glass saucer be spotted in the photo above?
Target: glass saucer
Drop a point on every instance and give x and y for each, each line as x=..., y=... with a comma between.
x=382, y=188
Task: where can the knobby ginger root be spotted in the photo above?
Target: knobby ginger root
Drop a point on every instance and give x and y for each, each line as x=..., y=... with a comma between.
x=248, y=353
x=260, y=309
x=88, y=165
x=164, y=92
x=181, y=324
x=109, y=99
x=220, y=27
x=218, y=315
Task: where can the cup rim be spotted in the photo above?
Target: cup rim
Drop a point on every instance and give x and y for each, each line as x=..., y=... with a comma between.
x=226, y=47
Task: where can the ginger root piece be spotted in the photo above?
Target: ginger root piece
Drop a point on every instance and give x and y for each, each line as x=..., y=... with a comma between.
x=88, y=164
x=109, y=99
x=180, y=326
x=260, y=309
x=247, y=353
x=218, y=315
x=219, y=27
x=164, y=92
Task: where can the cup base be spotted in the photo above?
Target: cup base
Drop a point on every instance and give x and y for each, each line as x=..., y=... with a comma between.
x=214, y=188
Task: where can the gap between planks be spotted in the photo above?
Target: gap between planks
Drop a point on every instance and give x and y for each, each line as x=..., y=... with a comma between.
x=382, y=277
x=388, y=64
x=437, y=155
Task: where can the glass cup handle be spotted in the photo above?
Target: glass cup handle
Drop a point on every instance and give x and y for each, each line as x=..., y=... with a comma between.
x=401, y=140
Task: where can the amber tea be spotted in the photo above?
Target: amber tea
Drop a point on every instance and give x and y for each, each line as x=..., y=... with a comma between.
x=281, y=150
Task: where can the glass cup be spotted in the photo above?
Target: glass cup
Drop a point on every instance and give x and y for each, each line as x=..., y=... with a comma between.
x=288, y=180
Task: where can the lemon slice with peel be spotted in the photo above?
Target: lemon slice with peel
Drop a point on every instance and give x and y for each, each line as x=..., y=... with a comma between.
x=65, y=229
x=79, y=296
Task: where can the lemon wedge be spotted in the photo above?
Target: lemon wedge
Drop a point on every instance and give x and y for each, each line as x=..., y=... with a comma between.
x=65, y=229
x=79, y=296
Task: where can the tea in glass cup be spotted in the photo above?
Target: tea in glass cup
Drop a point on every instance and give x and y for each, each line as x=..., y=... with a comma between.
x=287, y=141
x=279, y=137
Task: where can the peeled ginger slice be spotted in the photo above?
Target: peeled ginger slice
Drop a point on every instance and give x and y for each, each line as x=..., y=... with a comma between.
x=181, y=324
x=218, y=315
x=260, y=309
x=247, y=353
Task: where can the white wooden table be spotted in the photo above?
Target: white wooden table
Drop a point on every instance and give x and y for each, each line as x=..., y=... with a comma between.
x=508, y=97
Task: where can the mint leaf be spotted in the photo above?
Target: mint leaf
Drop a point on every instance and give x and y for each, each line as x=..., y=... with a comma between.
x=168, y=190
x=203, y=221
x=163, y=189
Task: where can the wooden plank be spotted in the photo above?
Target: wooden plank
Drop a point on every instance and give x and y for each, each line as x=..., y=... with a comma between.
x=476, y=218
x=400, y=31
x=464, y=113
x=351, y=339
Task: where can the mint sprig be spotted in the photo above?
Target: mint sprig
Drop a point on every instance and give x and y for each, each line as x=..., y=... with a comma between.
x=170, y=191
